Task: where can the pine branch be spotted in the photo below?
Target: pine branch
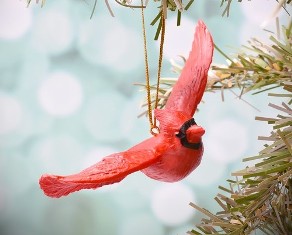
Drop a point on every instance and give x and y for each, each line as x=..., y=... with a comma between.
x=260, y=196
x=259, y=68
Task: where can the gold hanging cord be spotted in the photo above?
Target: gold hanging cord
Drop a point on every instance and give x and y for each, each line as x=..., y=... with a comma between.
x=154, y=129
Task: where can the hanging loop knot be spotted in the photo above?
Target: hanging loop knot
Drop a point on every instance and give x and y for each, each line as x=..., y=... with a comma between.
x=182, y=135
x=154, y=130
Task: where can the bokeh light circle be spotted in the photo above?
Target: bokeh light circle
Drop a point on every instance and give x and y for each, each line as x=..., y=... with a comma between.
x=15, y=19
x=252, y=13
x=142, y=223
x=175, y=35
x=227, y=140
x=61, y=154
x=60, y=94
x=53, y=32
x=170, y=204
x=207, y=173
x=118, y=47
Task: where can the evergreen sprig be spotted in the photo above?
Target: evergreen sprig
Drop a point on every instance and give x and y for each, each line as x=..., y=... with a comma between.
x=265, y=65
x=260, y=196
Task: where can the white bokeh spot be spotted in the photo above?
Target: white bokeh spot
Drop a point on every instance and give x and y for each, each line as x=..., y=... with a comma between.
x=173, y=46
x=62, y=154
x=15, y=19
x=118, y=46
x=11, y=114
x=207, y=173
x=60, y=94
x=96, y=154
x=170, y=204
x=53, y=32
x=227, y=141
x=141, y=223
x=252, y=13
x=256, y=20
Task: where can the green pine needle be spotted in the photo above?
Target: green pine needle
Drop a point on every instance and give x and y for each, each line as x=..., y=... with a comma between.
x=263, y=199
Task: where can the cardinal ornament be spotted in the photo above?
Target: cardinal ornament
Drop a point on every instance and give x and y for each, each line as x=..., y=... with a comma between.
x=168, y=156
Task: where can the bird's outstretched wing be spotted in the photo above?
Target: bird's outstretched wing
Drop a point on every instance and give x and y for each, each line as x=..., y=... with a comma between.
x=188, y=91
x=111, y=169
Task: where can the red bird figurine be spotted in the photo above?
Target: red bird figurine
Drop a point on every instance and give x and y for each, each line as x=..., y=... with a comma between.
x=168, y=156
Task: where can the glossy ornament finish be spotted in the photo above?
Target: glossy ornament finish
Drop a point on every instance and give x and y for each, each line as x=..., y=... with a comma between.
x=168, y=156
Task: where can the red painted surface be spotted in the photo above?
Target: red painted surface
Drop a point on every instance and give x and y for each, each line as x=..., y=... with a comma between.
x=161, y=157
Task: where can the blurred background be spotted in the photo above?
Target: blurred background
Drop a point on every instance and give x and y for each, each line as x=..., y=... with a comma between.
x=67, y=99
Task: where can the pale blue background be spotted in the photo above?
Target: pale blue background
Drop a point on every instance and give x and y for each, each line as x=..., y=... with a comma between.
x=67, y=99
